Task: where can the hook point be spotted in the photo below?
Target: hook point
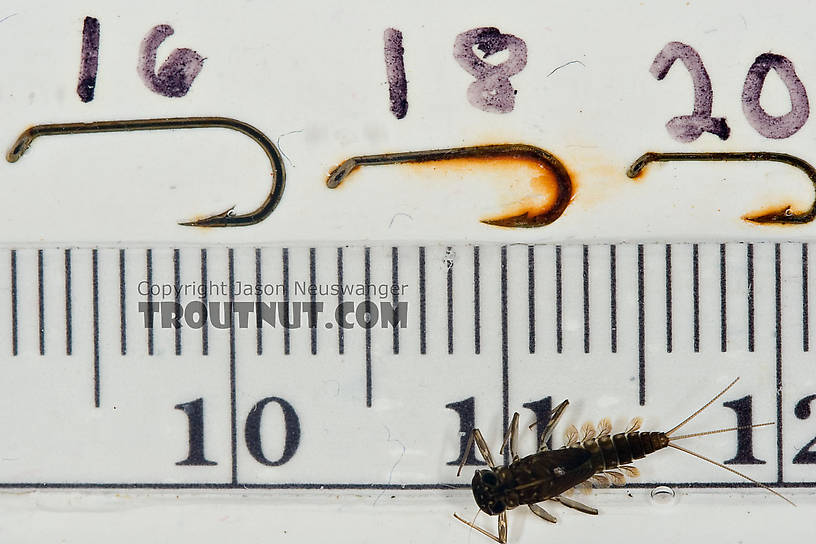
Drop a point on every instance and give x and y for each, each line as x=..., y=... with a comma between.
x=222, y=219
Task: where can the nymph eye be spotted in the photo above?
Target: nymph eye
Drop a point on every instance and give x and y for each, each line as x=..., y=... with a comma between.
x=489, y=478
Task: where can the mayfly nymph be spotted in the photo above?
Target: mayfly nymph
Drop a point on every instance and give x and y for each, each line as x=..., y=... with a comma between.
x=596, y=457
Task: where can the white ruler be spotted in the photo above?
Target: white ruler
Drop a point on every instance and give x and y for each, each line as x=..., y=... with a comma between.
x=620, y=330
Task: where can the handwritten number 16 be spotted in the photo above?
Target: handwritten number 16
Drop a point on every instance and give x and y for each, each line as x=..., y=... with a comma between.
x=687, y=128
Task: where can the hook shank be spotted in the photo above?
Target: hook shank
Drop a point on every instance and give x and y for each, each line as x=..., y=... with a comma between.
x=223, y=219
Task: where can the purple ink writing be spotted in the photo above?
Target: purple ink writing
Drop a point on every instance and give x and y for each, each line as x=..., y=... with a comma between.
x=687, y=128
x=176, y=74
x=395, y=71
x=768, y=125
x=492, y=90
x=89, y=59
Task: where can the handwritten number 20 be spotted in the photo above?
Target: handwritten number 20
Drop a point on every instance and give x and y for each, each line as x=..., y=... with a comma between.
x=688, y=128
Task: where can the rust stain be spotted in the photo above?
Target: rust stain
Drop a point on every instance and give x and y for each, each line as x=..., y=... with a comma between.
x=525, y=186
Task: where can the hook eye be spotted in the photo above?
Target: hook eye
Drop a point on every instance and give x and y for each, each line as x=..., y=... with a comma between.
x=224, y=219
x=526, y=219
x=782, y=216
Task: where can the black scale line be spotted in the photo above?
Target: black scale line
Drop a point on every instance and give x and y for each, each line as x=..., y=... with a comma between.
x=422, y=328
x=285, y=265
x=258, y=318
x=177, y=285
x=613, y=299
x=313, y=299
x=778, y=305
x=149, y=279
x=477, y=329
x=505, y=353
x=449, y=278
x=122, y=299
x=805, y=309
x=233, y=395
x=41, y=299
x=95, y=285
x=367, y=273
x=558, y=329
x=723, y=300
x=531, y=317
x=14, y=339
x=340, y=338
x=395, y=297
x=586, y=296
x=442, y=486
x=750, y=294
x=641, y=327
x=69, y=341
x=669, y=324
x=205, y=345
x=695, y=294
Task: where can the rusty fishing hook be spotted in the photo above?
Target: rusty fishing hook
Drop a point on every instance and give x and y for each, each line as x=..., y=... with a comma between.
x=782, y=216
x=223, y=219
x=524, y=220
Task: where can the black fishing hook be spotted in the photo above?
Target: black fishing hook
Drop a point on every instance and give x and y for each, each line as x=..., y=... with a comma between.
x=524, y=220
x=781, y=216
x=223, y=219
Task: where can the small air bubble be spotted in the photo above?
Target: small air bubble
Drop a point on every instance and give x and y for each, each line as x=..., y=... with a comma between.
x=662, y=495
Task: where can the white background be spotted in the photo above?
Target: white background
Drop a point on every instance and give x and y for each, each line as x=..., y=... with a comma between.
x=311, y=76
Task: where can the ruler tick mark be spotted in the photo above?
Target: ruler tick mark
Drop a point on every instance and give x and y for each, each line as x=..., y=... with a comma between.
x=613, y=299
x=149, y=279
x=68, y=310
x=367, y=273
x=641, y=327
x=14, y=341
x=477, y=348
x=750, y=271
x=422, y=330
x=205, y=346
x=95, y=284
x=586, y=296
x=505, y=353
x=723, y=300
x=395, y=296
x=805, y=309
x=41, y=299
x=258, y=316
x=449, y=268
x=122, y=314
x=177, y=284
x=285, y=300
x=340, y=338
x=669, y=325
x=695, y=294
x=313, y=298
x=558, y=331
x=233, y=395
x=778, y=307
x=531, y=297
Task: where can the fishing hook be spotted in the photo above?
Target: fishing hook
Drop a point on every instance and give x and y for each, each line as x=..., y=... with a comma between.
x=223, y=219
x=523, y=220
x=781, y=216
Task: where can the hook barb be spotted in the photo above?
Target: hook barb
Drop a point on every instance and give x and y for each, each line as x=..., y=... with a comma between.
x=223, y=219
